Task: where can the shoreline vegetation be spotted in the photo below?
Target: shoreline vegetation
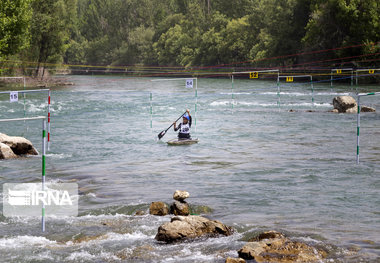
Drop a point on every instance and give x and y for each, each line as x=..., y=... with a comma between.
x=37, y=82
x=174, y=36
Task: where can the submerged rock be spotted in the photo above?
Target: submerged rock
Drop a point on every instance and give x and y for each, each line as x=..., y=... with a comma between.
x=140, y=213
x=180, y=208
x=19, y=145
x=273, y=246
x=158, y=209
x=140, y=254
x=180, y=195
x=184, y=227
x=6, y=152
x=345, y=104
x=200, y=209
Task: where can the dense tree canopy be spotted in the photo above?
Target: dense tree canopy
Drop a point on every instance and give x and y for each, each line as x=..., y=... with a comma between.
x=14, y=26
x=186, y=33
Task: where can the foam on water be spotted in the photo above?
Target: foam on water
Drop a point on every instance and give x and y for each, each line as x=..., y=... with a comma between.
x=19, y=242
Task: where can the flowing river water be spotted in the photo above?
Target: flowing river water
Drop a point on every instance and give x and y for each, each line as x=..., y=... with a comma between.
x=258, y=166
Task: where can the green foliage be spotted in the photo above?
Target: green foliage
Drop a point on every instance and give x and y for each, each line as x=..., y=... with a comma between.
x=51, y=24
x=14, y=26
x=185, y=32
x=336, y=23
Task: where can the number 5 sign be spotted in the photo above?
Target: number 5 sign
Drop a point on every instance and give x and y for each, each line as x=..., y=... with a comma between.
x=13, y=96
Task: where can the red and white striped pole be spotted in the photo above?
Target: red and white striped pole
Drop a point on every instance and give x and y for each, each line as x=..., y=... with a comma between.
x=48, y=128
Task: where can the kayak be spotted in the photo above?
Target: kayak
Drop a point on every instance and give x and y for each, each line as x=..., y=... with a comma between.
x=182, y=142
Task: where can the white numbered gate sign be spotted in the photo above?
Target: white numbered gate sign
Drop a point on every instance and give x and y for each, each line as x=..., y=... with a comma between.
x=189, y=83
x=13, y=96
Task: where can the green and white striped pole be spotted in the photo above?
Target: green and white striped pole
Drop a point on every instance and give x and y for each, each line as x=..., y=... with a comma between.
x=312, y=90
x=278, y=91
x=24, y=99
x=151, y=112
x=358, y=132
x=43, y=169
x=232, y=93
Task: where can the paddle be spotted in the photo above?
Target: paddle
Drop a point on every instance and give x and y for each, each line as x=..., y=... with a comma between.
x=162, y=134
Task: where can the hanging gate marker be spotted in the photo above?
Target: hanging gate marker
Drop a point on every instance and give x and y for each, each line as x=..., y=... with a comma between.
x=43, y=165
x=339, y=71
x=370, y=71
x=255, y=75
x=358, y=123
x=291, y=79
x=189, y=83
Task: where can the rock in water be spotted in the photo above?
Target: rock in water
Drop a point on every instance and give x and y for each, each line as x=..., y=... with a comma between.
x=183, y=227
x=180, y=208
x=367, y=109
x=273, y=246
x=235, y=260
x=180, y=195
x=19, y=145
x=345, y=104
x=6, y=152
x=158, y=209
x=140, y=213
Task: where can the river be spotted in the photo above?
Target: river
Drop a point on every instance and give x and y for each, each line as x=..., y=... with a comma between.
x=258, y=166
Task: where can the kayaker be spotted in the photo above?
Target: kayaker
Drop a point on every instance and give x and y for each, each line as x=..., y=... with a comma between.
x=184, y=127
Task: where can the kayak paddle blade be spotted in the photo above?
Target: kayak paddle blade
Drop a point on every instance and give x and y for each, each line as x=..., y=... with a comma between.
x=161, y=134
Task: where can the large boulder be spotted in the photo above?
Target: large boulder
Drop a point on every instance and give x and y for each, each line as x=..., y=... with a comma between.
x=158, y=209
x=180, y=208
x=275, y=247
x=180, y=195
x=345, y=104
x=19, y=145
x=185, y=227
x=6, y=152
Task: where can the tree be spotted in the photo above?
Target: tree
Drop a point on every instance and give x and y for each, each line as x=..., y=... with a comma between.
x=14, y=26
x=50, y=31
x=279, y=25
x=336, y=23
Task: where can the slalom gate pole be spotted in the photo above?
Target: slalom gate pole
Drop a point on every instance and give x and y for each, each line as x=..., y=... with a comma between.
x=196, y=103
x=43, y=169
x=151, y=112
x=312, y=90
x=232, y=93
x=48, y=124
x=358, y=123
